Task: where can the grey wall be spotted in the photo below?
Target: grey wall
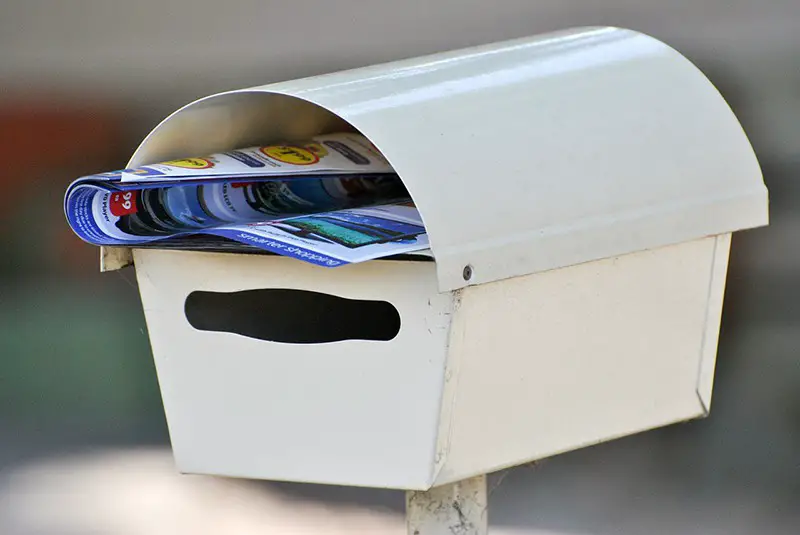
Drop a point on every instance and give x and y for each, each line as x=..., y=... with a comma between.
x=161, y=52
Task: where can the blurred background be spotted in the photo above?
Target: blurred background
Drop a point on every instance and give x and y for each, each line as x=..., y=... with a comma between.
x=83, y=442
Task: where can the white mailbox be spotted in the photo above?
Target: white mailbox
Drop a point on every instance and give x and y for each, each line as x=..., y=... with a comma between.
x=579, y=190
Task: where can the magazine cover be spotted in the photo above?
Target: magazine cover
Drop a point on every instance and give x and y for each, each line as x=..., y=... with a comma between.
x=349, y=208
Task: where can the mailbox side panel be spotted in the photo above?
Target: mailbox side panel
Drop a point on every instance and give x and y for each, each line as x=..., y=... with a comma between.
x=563, y=359
x=352, y=412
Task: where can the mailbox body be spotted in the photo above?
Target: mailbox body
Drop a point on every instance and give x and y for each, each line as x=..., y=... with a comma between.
x=590, y=180
x=477, y=379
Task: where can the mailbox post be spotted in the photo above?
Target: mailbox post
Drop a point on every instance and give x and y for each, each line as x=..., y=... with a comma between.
x=579, y=190
x=460, y=507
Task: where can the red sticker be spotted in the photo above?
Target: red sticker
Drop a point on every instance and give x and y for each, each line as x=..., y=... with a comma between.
x=123, y=203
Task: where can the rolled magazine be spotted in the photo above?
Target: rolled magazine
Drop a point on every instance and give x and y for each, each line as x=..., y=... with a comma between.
x=330, y=201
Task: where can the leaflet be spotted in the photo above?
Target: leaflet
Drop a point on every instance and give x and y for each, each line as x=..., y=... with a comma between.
x=329, y=217
x=332, y=239
x=326, y=154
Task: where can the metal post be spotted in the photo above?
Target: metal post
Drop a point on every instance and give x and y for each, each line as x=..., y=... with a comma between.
x=455, y=509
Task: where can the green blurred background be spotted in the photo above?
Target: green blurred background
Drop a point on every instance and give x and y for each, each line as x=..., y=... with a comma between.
x=83, y=82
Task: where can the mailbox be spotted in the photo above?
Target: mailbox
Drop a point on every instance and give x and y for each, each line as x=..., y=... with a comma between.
x=579, y=190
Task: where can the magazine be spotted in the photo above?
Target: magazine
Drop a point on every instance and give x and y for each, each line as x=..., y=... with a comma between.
x=340, y=153
x=330, y=201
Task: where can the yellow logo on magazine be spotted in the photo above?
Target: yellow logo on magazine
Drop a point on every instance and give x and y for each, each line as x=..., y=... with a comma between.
x=291, y=155
x=191, y=163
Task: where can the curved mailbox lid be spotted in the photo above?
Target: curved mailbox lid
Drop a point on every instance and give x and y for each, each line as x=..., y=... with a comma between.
x=522, y=156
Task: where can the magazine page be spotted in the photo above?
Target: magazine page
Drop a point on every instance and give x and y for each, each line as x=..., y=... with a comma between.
x=332, y=239
x=325, y=154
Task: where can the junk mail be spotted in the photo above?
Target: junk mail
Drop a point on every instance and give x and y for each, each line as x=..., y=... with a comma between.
x=330, y=201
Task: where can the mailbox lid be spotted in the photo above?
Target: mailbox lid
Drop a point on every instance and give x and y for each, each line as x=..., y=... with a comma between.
x=522, y=156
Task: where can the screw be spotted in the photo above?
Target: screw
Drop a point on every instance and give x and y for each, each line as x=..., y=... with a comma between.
x=467, y=273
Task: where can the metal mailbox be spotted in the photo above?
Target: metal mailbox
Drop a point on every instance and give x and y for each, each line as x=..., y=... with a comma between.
x=579, y=190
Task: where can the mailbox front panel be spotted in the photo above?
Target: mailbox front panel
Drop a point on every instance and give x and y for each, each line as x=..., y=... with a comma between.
x=299, y=408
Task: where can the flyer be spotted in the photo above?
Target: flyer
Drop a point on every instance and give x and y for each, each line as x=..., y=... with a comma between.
x=339, y=153
x=337, y=214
